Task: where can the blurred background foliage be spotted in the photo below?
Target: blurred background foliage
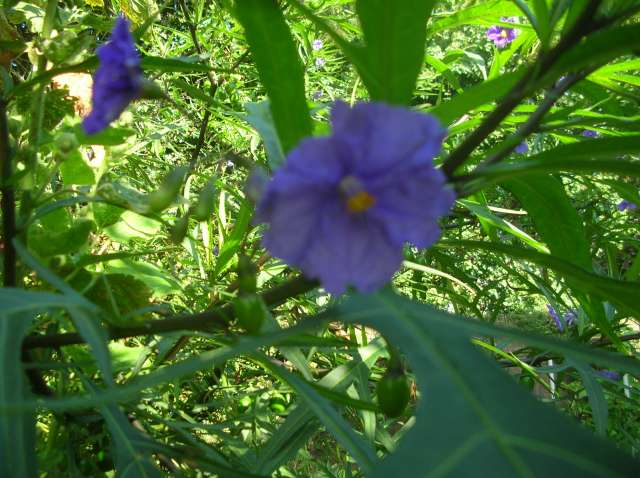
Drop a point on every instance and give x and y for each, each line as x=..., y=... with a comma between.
x=232, y=395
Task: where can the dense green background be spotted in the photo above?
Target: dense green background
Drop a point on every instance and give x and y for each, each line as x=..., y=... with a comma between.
x=149, y=352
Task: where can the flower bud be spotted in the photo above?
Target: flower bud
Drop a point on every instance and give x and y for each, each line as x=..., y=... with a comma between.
x=162, y=198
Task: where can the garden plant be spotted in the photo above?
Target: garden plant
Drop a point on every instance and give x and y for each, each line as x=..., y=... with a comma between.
x=320, y=238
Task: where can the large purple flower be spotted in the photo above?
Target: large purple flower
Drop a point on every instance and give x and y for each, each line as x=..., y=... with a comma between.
x=343, y=206
x=502, y=36
x=117, y=81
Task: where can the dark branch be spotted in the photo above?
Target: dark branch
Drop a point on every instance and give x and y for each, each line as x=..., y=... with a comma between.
x=215, y=319
x=584, y=25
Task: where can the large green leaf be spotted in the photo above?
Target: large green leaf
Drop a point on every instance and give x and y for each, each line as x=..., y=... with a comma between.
x=477, y=421
x=395, y=34
x=554, y=217
x=17, y=428
x=275, y=55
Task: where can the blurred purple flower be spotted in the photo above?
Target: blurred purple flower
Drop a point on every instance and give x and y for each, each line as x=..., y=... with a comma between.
x=556, y=318
x=317, y=45
x=502, y=36
x=570, y=317
x=624, y=204
x=316, y=95
x=522, y=148
x=117, y=81
x=320, y=62
x=589, y=133
x=343, y=206
x=609, y=374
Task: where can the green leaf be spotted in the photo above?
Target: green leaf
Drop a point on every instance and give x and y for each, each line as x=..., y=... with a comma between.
x=619, y=292
x=485, y=214
x=474, y=97
x=259, y=116
x=595, y=394
x=276, y=57
x=130, y=447
x=300, y=424
x=480, y=419
x=598, y=49
x=110, y=136
x=84, y=314
x=395, y=35
x=330, y=418
x=560, y=226
x=555, y=218
x=17, y=428
x=75, y=170
x=484, y=13
x=158, y=280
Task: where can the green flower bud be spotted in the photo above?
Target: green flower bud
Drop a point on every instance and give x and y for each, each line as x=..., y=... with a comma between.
x=165, y=195
x=251, y=312
x=179, y=229
x=394, y=391
x=206, y=203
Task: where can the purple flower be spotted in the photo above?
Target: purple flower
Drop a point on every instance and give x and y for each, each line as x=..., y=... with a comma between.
x=343, y=206
x=609, y=374
x=624, y=204
x=320, y=62
x=570, y=317
x=522, y=148
x=556, y=318
x=317, y=45
x=117, y=81
x=589, y=133
x=502, y=36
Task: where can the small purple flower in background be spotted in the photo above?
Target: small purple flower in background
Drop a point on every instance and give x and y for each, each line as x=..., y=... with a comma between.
x=589, y=133
x=317, y=45
x=624, y=204
x=522, y=148
x=343, y=206
x=316, y=95
x=502, y=36
x=609, y=374
x=117, y=81
x=320, y=62
x=556, y=318
x=570, y=317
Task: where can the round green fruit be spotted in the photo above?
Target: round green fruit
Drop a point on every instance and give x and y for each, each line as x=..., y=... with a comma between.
x=394, y=390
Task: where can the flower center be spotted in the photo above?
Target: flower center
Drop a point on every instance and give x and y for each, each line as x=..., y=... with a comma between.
x=356, y=197
x=504, y=34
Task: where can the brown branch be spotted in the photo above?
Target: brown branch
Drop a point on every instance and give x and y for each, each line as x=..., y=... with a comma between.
x=8, y=202
x=214, y=319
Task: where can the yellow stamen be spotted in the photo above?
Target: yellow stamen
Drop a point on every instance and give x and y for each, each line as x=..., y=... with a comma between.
x=360, y=202
x=504, y=34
